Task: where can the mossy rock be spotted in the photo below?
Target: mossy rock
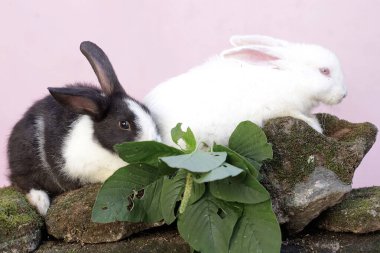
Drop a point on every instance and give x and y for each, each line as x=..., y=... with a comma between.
x=69, y=218
x=299, y=147
x=298, y=150
x=20, y=225
x=157, y=242
x=331, y=242
x=310, y=197
x=359, y=212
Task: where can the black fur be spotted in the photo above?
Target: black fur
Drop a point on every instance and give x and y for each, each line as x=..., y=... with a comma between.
x=106, y=108
x=27, y=171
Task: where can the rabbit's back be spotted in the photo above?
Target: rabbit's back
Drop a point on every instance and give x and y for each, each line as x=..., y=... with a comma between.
x=214, y=97
x=34, y=148
x=259, y=78
x=58, y=149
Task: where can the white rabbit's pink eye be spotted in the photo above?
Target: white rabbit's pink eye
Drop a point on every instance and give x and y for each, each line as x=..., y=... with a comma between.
x=325, y=71
x=124, y=125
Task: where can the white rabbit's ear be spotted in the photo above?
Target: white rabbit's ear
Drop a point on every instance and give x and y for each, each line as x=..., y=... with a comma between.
x=244, y=40
x=254, y=55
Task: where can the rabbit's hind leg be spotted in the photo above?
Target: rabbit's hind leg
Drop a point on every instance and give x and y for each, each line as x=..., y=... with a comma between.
x=39, y=199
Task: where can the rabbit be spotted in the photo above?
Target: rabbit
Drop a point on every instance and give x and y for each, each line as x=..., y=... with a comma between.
x=259, y=78
x=66, y=139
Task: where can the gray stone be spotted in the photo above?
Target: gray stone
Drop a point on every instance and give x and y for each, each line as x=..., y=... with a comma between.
x=298, y=151
x=310, y=198
x=159, y=242
x=20, y=225
x=69, y=218
x=330, y=242
x=359, y=212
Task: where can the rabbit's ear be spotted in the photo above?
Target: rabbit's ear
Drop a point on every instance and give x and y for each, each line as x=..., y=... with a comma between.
x=254, y=55
x=81, y=101
x=244, y=40
x=102, y=68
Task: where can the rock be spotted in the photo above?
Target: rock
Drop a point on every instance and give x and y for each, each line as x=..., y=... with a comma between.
x=20, y=225
x=317, y=193
x=358, y=213
x=330, y=242
x=304, y=160
x=158, y=242
x=69, y=218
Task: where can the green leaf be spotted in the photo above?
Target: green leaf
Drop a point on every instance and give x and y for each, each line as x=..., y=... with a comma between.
x=250, y=141
x=147, y=208
x=197, y=161
x=223, y=171
x=257, y=231
x=207, y=225
x=165, y=170
x=187, y=137
x=147, y=152
x=238, y=160
x=113, y=198
x=197, y=192
x=239, y=189
x=172, y=190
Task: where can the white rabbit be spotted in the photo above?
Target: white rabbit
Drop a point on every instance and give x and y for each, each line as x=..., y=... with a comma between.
x=258, y=79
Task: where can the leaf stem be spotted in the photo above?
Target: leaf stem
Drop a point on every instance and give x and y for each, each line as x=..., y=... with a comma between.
x=186, y=193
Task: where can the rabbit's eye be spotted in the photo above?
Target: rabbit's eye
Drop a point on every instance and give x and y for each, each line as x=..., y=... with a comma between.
x=124, y=125
x=325, y=71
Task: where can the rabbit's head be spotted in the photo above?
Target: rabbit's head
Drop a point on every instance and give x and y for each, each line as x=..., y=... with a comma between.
x=116, y=117
x=315, y=70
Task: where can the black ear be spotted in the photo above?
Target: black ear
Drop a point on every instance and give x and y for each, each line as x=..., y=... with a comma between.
x=102, y=68
x=82, y=101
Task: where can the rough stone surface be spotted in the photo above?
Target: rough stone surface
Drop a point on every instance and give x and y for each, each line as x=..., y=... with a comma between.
x=20, y=225
x=309, y=198
x=158, y=242
x=69, y=218
x=299, y=150
x=330, y=242
x=359, y=212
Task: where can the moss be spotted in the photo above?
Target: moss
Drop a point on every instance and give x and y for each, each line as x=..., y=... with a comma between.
x=298, y=152
x=16, y=214
x=360, y=199
x=164, y=239
x=69, y=218
x=359, y=212
x=287, y=157
x=322, y=241
x=298, y=149
x=345, y=131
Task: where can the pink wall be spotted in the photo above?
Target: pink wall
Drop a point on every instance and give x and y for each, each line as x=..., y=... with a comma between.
x=149, y=41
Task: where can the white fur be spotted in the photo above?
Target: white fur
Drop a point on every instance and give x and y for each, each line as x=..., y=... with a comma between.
x=39, y=199
x=40, y=136
x=215, y=96
x=144, y=121
x=85, y=159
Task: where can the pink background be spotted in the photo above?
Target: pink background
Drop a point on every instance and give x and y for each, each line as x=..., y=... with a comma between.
x=150, y=41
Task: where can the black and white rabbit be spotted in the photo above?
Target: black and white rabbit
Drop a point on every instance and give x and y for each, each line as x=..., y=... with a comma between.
x=66, y=140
